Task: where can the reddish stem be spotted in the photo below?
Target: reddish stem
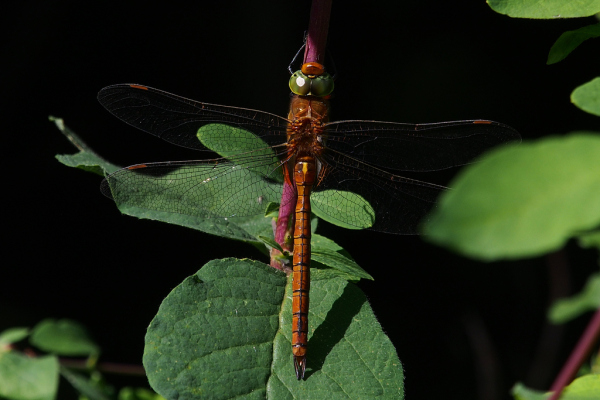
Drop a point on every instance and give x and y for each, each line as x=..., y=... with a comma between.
x=105, y=367
x=283, y=225
x=318, y=27
x=587, y=340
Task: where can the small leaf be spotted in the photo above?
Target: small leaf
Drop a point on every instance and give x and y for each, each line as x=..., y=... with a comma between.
x=64, y=337
x=327, y=252
x=86, y=159
x=338, y=207
x=128, y=393
x=591, y=239
x=547, y=9
x=13, y=335
x=84, y=385
x=237, y=144
x=272, y=210
x=339, y=262
x=270, y=242
x=231, y=322
x=568, y=41
x=521, y=200
x=585, y=387
x=587, y=96
x=28, y=378
x=521, y=392
x=564, y=310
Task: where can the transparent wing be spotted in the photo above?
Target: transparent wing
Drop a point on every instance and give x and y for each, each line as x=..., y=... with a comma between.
x=177, y=119
x=416, y=147
x=206, y=189
x=351, y=191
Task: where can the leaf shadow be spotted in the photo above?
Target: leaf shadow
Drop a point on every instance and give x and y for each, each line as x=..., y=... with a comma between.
x=333, y=328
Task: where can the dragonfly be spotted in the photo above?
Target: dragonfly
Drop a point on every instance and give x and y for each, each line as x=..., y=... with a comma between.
x=347, y=170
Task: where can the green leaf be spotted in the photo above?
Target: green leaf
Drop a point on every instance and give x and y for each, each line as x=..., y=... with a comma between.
x=272, y=210
x=564, y=310
x=86, y=159
x=64, y=337
x=521, y=200
x=237, y=145
x=12, y=335
x=327, y=252
x=521, y=392
x=226, y=331
x=587, y=96
x=547, y=9
x=129, y=393
x=86, y=387
x=590, y=239
x=199, y=206
x=346, y=209
x=568, y=41
x=240, y=228
x=270, y=242
x=28, y=378
x=585, y=387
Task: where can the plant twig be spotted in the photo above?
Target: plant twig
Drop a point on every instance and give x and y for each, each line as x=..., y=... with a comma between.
x=105, y=367
x=587, y=340
x=318, y=27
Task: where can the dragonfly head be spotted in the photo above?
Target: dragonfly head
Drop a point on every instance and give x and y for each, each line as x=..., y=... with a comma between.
x=311, y=80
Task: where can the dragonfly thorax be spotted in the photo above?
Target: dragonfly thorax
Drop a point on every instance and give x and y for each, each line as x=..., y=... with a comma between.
x=307, y=116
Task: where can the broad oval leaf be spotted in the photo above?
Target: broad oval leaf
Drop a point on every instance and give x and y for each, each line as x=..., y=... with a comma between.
x=587, y=96
x=225, y=333
x=28, y=378
x=521, y=200
x=236, y=144
x=63, y=337
x=547, y=9
x=328, y=204
x=151, y=198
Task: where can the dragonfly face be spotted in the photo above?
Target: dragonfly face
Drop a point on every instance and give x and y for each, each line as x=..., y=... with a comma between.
x=340, y=170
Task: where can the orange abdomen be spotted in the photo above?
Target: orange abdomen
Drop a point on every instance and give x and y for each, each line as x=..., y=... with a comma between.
x=304, y=177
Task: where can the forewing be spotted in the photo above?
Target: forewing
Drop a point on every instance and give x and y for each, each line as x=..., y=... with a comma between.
x=420, y=147
x=177, y=119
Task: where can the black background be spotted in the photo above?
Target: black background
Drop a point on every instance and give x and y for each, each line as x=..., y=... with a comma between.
x=69, y=253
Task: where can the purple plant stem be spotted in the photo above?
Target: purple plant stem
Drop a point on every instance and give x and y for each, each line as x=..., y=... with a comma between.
x=318, y=27
x=105, y=367
x=283, y=225
x=587, y=340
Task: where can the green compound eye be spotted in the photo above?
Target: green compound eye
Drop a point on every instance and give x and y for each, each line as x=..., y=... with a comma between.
x=300, y=83
x=322, y=85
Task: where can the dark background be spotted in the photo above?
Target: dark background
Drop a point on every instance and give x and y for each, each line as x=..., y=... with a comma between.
x=69, y=253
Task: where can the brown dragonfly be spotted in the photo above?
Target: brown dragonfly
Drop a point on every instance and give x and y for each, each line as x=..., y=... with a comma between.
x=344, y=170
